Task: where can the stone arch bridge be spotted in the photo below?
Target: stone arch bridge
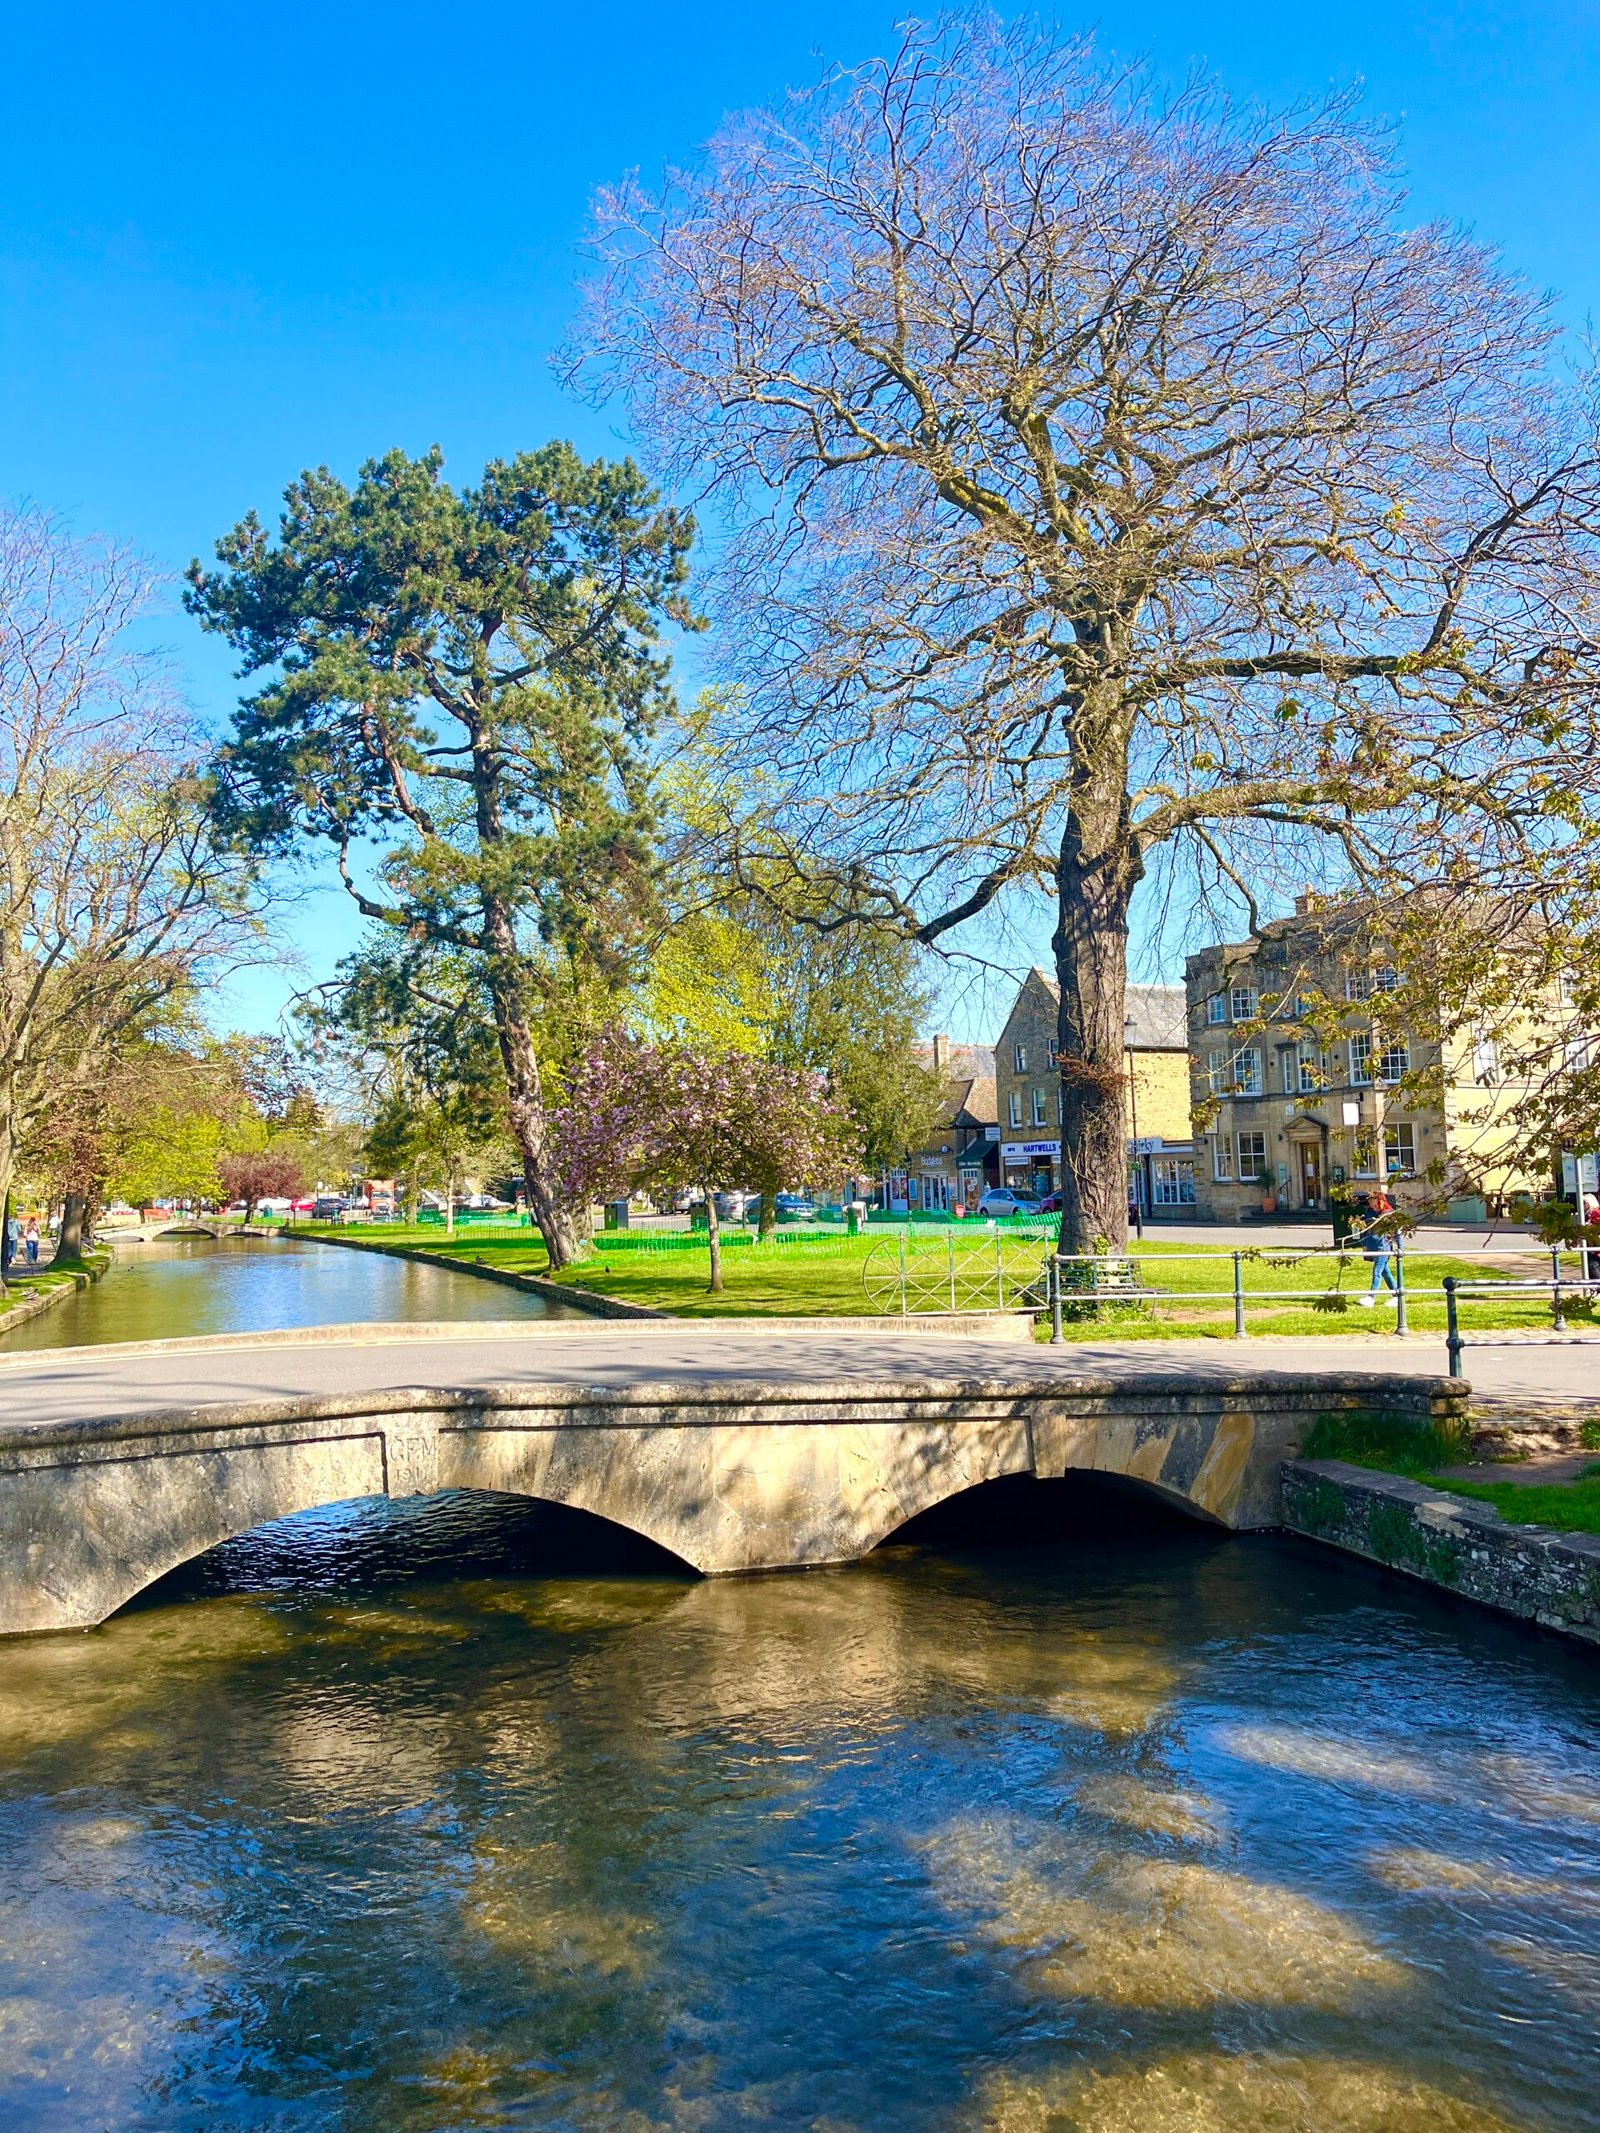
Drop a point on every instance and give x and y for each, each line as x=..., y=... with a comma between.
x=729, y=1476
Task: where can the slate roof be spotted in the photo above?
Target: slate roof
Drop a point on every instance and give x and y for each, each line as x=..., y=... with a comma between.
x=1157, y=1015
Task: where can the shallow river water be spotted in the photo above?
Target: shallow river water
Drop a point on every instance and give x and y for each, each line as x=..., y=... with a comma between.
x=420, y=1817
x=174, y=1287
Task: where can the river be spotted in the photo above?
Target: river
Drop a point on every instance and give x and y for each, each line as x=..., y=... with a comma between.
x=426, y=1817
x=175, y=1287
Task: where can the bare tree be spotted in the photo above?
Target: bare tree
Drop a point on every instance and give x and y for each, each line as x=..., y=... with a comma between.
x=1111, y=475
x=112, y=896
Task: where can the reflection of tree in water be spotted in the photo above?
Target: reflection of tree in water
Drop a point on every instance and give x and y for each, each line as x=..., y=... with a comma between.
x=1084, y=1837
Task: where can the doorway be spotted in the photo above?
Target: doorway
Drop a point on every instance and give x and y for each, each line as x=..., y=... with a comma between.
x=1310, y=1173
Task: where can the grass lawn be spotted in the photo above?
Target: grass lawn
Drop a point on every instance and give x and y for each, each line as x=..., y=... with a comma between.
x=829, y=1275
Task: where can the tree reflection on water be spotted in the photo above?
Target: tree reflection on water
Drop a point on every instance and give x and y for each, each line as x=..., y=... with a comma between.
x=461, y=1815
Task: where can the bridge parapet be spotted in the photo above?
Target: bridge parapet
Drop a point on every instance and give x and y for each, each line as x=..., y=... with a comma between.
x=730, y=1476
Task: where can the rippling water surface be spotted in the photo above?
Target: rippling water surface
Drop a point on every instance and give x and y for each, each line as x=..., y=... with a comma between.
x=397, y=1820
x=175, y=1287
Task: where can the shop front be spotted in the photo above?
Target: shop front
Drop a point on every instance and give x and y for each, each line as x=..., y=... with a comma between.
x=1031, y=1166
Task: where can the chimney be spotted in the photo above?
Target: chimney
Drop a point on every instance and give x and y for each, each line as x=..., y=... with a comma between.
x=1303, y=903
x=941, y=1054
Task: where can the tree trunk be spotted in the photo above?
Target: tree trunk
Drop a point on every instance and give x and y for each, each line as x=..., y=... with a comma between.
x=450, y=1204
x=564, y=1228
x=714, y=1241
x=1095, y=878
x=5, y=1239
x=69, y=1242
x=769, y=1211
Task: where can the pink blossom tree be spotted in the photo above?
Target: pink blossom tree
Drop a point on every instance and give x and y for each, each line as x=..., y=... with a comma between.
x=672, y=1116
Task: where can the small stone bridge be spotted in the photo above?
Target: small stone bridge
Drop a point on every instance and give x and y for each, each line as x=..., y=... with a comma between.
x=729, y=1476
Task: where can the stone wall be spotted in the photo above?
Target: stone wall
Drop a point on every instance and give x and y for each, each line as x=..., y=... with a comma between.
x=1450, y=1541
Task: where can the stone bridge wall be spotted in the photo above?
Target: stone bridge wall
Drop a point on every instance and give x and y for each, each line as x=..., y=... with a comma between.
x=731, y=1477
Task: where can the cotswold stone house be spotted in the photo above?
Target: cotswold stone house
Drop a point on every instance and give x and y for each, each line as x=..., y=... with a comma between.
x=1304, y=1086
x=961, y=1158
x=1028, y=1092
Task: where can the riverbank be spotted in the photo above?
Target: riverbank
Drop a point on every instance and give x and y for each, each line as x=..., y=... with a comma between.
x=29, y=1296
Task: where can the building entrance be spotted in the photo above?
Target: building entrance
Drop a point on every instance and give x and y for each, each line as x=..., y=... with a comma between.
x=1310, y=1173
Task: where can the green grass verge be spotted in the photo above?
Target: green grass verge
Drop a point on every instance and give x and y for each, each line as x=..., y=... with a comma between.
x=1401, y=1444
x=24, y=1287
x=1570, y=1507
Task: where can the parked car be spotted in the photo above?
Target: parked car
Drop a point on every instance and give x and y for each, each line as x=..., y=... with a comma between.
x=1001, y=1200
x=794, y=1207
x=326, y=1208
x=731, y=1206
x=1050, y=1204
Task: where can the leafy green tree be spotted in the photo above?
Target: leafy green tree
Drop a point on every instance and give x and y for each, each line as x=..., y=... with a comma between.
x=469, y=678
x=744, y=974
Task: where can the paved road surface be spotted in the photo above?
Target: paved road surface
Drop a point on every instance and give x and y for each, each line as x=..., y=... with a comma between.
x=74, y=1383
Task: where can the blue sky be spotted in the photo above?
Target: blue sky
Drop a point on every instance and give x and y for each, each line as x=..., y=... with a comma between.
x=235, y=243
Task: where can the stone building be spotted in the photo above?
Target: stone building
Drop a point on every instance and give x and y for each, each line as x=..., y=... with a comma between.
x=961, y=1158
x=1304, y=1087
x=1028, y=1093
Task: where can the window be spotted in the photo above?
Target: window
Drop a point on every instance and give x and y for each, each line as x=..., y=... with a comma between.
x=1222, y=1158
x=1242, y=1002
x=1014, y=1107
x=1172, y=1181
x=1061, y=1105
x=1247, y=1071
x=1252, y=1157
x=1357, y=985
x=1019, y=1059
x=1366, y=1164
x=1386, y=978
x=1310, y=1069
x=1361, y=1056
x=1399, y=1151
x=1216, y=1072
x=1485, y=1062
x=1395, y=1062
x=1052, y=1055
x=1217, y=1008
x=1041, y=1116
x=1291, y=1072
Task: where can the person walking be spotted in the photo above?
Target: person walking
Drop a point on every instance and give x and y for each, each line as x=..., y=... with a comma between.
x=30, y=1239
x=1589, y=1216
x=1372, y=1210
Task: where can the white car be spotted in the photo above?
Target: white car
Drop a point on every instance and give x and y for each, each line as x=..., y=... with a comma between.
x=1002, y=1201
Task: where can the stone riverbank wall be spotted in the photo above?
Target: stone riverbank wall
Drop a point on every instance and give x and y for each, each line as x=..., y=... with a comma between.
x=1454, y=1542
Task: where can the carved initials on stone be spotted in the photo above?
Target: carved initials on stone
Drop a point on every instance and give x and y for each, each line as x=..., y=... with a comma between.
x=410, y=1457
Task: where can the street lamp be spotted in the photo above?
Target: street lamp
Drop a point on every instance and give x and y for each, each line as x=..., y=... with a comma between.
x=1133, y=1116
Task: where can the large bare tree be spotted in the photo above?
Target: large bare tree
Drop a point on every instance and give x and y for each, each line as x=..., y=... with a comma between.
x=1110, y=475
x=114, y=898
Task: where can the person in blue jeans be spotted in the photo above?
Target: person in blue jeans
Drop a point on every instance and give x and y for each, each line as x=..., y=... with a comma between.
x=1377, y=1242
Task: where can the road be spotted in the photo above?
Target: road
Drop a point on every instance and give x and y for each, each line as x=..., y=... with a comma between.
x=80, y=1383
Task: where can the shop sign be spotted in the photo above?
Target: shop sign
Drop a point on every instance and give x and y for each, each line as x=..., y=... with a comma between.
x=1025, y=1151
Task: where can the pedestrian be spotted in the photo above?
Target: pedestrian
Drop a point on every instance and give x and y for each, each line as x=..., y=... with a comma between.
x=9, y=1241
x=30, y=1237
x=1372, y=1209
x=1589, y=1216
